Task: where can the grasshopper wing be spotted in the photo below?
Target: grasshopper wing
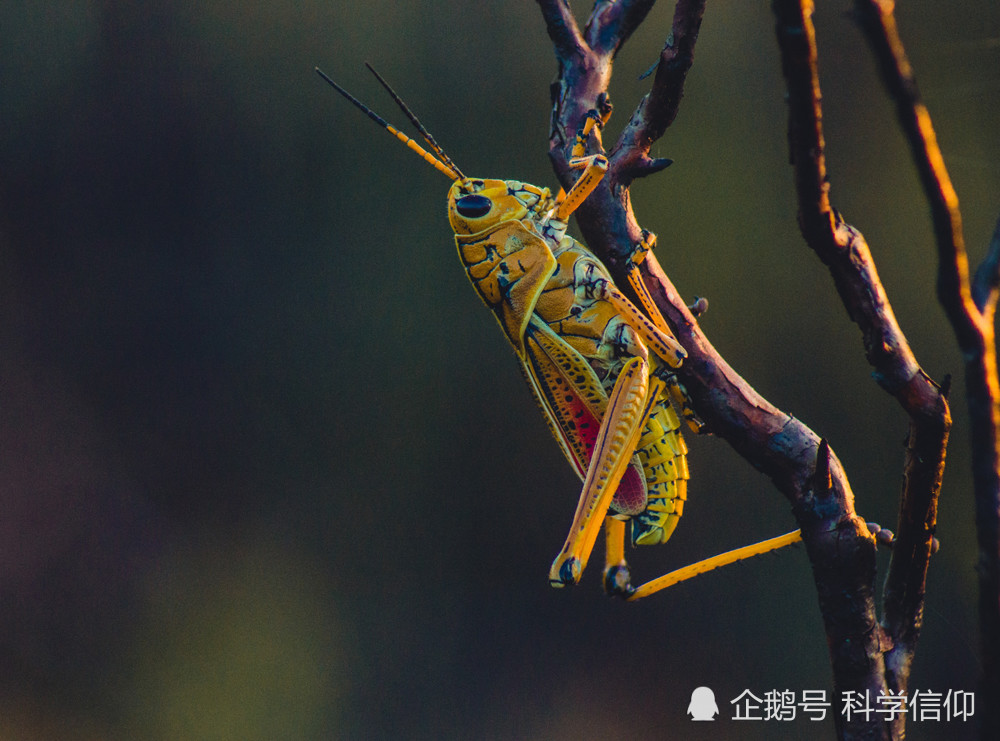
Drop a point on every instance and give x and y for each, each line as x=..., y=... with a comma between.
x=574, y=402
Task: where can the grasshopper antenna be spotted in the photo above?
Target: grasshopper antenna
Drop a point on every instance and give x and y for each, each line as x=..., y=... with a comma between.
x=451, y=171
x=428, y=137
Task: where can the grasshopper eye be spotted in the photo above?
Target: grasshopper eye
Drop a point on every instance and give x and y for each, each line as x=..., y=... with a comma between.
x=472, y=207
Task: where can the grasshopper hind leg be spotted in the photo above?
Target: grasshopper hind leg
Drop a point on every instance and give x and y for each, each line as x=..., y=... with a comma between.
x=617, y=577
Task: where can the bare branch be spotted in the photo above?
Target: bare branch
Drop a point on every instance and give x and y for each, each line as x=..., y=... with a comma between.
x=613, y=21
x=630, y=158
x=671, y=72
x=585, y=70
x=971, y=312
x=797, y=40
x=879, y=24
x=840, y=547
x=843, y=249
x=562, y=28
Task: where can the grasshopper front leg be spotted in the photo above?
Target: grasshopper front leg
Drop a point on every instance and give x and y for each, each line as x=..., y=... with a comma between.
x=677, y=393
x=594, y=166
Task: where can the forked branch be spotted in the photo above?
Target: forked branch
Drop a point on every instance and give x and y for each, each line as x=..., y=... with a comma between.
x=804, y=468
x=867, y=656
x=970, y=306
x=844, y=251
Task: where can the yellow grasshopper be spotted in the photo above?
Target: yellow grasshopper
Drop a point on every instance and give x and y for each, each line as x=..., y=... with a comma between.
x=600, y=369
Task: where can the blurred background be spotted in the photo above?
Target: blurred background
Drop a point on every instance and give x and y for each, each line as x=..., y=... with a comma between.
x=267, y=467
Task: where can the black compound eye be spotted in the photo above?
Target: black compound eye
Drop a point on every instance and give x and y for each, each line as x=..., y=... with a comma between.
x=472, y=207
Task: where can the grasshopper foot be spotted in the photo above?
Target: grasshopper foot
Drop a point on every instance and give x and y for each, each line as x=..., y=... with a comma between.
x=565, y=572
x=618, y=581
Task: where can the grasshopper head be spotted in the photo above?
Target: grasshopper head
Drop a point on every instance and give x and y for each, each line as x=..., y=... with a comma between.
x=475, y=205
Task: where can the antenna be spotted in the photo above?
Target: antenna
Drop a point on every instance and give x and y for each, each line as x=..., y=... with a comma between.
x=451, y=171
x=416, y=122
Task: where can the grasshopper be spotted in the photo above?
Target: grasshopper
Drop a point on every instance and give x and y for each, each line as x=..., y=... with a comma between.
x=601, y=369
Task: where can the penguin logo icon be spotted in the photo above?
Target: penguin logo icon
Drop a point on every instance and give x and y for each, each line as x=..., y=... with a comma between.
x=703, y=705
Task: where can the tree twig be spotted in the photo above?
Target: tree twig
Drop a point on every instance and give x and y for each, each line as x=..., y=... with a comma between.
x=562, y=27
x=840, y=547
x=613, y=21
x=843, y=249
x=630, y=158
x=970, y=308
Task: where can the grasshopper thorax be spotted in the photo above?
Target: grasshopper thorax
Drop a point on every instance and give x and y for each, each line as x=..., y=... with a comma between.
x=475, y=205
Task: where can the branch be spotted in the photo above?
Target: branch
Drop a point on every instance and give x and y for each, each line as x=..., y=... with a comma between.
x=840, y=547
x=844, y=251
x=970, y=309
x=630, y=158
x=584, y=76
x=562, y=28
x=613, y=21
x=879, y=24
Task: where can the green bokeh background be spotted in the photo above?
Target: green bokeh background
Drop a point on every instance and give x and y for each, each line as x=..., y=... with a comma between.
x=267, y=467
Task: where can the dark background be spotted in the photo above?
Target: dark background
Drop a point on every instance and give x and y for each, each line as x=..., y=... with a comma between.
x=267, y=467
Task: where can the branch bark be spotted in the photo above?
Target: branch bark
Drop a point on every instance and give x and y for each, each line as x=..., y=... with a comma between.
x=970, y=306
x=844, y=251
x=867, y=656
